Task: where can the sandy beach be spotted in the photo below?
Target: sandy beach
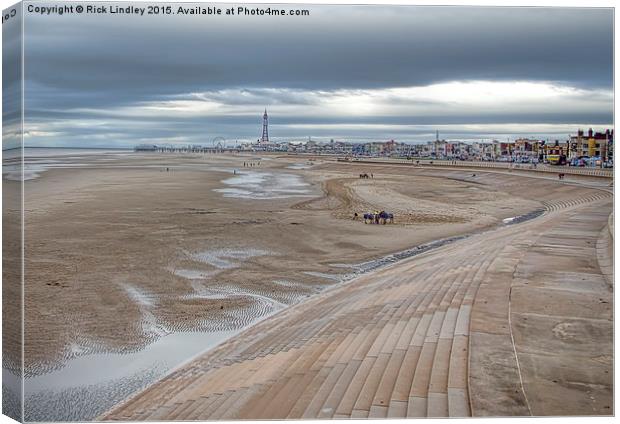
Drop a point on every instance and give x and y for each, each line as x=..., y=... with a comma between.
x=124, y=250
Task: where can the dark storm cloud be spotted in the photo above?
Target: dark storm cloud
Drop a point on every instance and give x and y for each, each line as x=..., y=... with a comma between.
x=334, y=48
x=81, y=65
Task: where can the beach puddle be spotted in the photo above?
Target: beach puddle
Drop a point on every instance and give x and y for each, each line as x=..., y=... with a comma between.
x=14, y=173
x=89, y=385
x=231, y=292
x=33, y=168
x=150, y=327
x=190, y=274
x=38, y=161
x=219, y=259
x=264, y=186
x=522, y=218
x=11, y=393
x=300, y=166
x=226, y=258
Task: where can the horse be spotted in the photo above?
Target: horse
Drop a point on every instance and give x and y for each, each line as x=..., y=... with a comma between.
x=386, y=217
x=383, y=217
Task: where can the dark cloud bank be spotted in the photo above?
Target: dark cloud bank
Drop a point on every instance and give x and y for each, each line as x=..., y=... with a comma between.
x=119, y=80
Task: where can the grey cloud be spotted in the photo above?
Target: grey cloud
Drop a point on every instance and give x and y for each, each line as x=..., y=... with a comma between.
x=11, y=82
x=334, y=48
x=81, y=62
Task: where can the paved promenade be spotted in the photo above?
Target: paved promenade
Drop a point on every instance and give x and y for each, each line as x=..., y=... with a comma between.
x=513, y=321
x=541, y=168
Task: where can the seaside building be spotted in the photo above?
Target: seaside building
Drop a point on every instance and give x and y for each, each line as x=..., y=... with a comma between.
x=483, y=151
x=459, y=150
x=592, y=144
x=377, y=148
x=555, y=153
x=526, y=150
x=389, y=147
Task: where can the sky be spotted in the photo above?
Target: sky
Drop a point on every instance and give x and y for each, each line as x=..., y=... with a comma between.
x=348, y=73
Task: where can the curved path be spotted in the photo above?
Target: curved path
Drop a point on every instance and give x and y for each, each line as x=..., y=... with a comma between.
x=512, y=321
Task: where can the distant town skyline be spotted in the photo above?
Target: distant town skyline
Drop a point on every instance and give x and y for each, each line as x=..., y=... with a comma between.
x=348, y=73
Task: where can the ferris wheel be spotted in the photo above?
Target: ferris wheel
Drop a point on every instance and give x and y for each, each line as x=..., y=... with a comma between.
x=218, y=142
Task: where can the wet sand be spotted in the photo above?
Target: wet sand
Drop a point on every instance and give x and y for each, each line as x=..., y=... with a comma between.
x=122, y=253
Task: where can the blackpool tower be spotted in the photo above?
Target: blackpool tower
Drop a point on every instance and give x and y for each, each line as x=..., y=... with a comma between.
x=265, y=136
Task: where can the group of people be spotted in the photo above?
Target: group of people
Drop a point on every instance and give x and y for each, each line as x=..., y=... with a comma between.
x=376, y=217
x=251, y=164
x=365, y=175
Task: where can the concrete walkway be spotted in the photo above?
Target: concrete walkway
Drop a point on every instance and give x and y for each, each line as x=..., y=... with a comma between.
x=513, y=321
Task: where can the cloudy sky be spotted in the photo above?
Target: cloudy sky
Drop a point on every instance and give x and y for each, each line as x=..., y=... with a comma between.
x=347, y=73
